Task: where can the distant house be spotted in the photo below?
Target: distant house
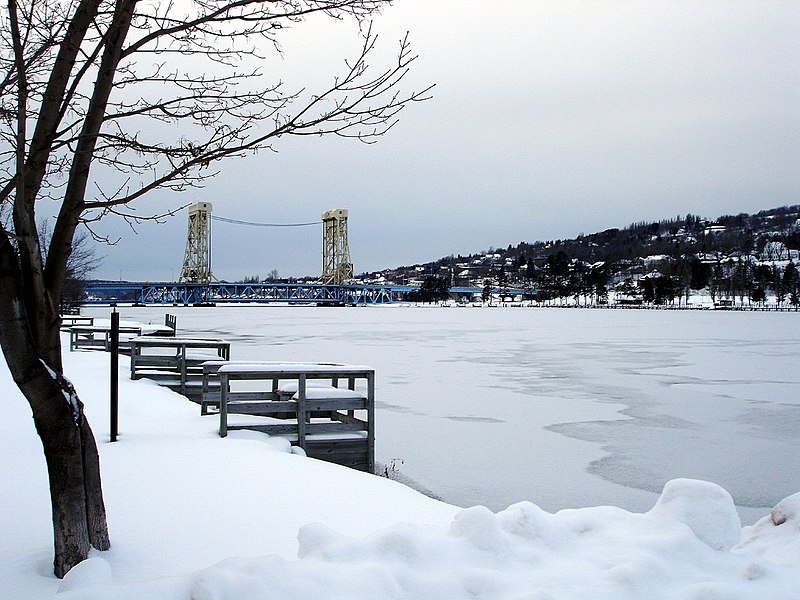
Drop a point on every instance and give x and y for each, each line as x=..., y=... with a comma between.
x=651, y=275
x=655, y=259
x=724, y=304
x=775, y=251
x=463, y=278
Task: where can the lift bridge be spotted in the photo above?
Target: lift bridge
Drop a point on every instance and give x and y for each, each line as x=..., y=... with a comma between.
x=197, y=294
x=197, y=285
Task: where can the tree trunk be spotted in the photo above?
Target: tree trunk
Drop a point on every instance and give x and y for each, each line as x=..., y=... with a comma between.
x=70, y=451
x=95, y=507
x=73, y=469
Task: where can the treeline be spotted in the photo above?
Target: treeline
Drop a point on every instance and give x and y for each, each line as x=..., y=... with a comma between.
x=742, y=256
x=671, y=282
x=681, y=236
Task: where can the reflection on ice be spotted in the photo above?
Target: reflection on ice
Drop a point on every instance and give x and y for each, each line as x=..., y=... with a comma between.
x=468, y=419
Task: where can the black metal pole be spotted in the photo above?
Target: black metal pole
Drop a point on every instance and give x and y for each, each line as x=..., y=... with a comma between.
x=114, y=374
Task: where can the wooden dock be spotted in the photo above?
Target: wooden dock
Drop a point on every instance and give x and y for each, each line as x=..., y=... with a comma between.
x=85, y=334
x=308, y=404
x=175, y=362
x=97, y=337
x=326, y=409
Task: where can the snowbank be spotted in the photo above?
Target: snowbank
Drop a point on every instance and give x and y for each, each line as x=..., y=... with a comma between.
x=677, y=550
x=196, y=517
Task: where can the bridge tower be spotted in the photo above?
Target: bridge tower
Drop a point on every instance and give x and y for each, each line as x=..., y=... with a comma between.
x=336, y=266
x=197, y=258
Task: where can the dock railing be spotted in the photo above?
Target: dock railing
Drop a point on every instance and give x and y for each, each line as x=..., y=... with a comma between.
x=326, y=409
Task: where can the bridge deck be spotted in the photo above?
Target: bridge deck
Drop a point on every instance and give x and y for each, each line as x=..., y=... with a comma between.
x=287, y=293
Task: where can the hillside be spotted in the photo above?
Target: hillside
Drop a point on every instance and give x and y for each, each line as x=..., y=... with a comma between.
x=740, y=256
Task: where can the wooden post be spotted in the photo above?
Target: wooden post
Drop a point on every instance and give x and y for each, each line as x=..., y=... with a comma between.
x=301, y=411
x=351, y=385
x=182, y=359
x=223, y=404
x=114, y=375
x=371, y=422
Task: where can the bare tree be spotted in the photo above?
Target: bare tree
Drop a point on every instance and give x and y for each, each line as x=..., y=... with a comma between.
x=82, y=262
x=103, y=101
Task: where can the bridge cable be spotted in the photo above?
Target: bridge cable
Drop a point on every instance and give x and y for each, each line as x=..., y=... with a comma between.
x=252, y=224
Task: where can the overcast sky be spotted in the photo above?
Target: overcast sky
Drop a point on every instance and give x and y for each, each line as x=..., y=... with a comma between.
x=548, y=119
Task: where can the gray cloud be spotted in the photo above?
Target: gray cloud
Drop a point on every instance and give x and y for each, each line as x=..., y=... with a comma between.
x=548, y=119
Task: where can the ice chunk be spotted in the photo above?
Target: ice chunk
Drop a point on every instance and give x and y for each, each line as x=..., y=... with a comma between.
x=786, y=510
x=705, y=507
x=478, y=525
x=527, y=520
x=775, y=537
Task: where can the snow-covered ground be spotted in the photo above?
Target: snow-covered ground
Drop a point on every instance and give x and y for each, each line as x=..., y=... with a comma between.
x=483, y=406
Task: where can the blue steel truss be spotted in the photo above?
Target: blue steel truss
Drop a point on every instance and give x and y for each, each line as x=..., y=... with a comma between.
x=287, y=293
x=194, y=294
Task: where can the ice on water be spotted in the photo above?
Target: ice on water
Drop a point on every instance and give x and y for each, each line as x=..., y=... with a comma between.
x=562, y=407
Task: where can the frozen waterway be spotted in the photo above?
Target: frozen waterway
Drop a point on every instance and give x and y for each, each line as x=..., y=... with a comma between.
x=565, y=408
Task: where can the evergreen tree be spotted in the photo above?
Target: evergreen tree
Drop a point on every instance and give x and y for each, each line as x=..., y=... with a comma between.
x=433, y=289
x=486, y=294
x=790, y=283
